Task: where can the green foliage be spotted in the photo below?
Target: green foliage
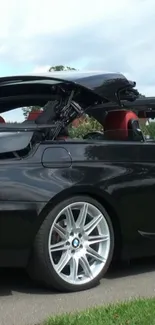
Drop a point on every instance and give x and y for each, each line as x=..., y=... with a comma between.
x=132, y=312
x=89, y=125
x=149, y=129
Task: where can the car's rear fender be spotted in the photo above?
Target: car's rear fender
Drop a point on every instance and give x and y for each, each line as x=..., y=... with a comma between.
x=103, y=198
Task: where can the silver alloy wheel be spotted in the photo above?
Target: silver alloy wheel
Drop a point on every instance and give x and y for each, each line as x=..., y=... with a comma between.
x=79, y=243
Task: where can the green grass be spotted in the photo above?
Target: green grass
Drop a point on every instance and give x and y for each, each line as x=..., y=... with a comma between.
x=136, y=312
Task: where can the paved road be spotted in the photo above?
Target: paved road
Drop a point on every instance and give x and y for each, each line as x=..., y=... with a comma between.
x=21, y=303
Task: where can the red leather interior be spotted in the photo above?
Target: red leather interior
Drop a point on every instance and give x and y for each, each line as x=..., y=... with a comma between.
x=33, y=115
x=2, y=119
x=116, y=124
x=62, y=137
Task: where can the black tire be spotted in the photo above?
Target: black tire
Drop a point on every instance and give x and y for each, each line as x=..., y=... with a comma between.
x=40, y=267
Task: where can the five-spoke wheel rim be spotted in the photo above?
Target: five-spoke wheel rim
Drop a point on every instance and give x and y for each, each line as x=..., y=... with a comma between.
x=79, y=243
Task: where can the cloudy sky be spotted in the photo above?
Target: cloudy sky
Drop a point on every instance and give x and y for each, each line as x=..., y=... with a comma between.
x=96, y=35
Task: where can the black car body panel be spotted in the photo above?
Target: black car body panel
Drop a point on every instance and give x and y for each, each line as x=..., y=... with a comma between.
x=113, y=173
x=105, y=86
x=120, y=175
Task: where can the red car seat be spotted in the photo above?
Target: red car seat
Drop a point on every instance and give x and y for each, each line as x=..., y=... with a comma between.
x=33, y=115
x=122, y=125
x=2, y=119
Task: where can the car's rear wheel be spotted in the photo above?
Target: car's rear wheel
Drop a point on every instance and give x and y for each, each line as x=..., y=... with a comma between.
x=74, y=245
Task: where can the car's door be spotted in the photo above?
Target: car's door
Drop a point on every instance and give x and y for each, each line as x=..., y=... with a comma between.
x=26, y=186
x=146, y=193
x=19, y=207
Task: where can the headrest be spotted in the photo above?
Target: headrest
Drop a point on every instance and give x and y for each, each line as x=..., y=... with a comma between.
x=142, y=114
x=33, y=115
x=2, y=119
x=116, y=124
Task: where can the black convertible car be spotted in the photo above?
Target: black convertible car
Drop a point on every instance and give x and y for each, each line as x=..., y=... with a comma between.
x=69, y=206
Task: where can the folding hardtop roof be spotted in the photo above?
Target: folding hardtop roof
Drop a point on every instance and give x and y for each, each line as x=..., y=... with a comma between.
x=112, y=92
x=106, y=86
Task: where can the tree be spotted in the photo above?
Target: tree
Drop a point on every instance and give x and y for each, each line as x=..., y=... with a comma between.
x=27, y=110
x=141, y=96
x=61, y=68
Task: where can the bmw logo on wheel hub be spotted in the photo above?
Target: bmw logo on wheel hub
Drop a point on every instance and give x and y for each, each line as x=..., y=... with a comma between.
x=75, y=243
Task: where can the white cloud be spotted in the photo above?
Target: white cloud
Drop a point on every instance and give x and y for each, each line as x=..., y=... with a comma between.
x=109, y=35
x=41, y=69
